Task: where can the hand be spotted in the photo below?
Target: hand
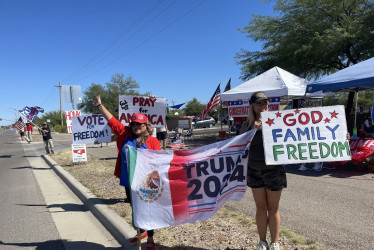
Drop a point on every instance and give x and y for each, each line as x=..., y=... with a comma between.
x=97, y=101
x=257, y=124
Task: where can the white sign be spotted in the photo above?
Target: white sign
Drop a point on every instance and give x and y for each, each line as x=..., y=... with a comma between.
x=79, y=152
x=90, y=129
x=305, y=135
x=153, y=108
x=69, y=115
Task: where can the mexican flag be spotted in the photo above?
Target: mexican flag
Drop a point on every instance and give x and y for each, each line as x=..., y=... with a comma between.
x=176, y=187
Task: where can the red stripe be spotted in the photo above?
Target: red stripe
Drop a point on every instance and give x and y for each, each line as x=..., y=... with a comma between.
x=201, y=210
x=237, y=146
x=178, y=184
x=232, y=191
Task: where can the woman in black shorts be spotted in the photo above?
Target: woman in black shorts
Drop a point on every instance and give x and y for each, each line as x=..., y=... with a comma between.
x=265, y=181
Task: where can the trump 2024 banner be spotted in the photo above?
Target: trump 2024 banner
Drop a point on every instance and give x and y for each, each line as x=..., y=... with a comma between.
x=153, y=108
x=90, y=129
x=176, y=187
x=305, y=135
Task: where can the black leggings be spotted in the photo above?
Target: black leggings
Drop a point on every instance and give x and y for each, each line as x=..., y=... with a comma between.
x=128, y=194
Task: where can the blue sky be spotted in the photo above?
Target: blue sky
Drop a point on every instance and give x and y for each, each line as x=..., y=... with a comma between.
x=175, y=49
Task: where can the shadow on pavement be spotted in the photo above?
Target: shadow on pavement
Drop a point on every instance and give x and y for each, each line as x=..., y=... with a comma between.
x=67, y=207
x=25, y=167
x=59, y=245
x=6, y=156
x=337, y=172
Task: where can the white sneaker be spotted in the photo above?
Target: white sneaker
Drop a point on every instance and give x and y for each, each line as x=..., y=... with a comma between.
x=318, y=166
x=262, y=245
x=274, y=246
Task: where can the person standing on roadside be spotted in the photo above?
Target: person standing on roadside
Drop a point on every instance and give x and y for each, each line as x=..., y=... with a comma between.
x=162, y=134
x=30, y=130
x=45, y=131
x=265, y=181
x=137, y=134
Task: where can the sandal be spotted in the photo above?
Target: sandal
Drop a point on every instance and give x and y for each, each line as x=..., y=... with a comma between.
x=134, y=240
x=151, y=244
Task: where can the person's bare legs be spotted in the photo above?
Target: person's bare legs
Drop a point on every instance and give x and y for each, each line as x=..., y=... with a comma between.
x=267, y=212
x=273, y=198
x=164, y=144
x=259, y=195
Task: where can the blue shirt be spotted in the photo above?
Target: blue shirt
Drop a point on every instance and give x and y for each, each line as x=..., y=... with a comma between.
x=124, y=176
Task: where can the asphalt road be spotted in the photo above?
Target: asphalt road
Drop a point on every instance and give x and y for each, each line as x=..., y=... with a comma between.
x=37, y=209
x=22, y=225
x=334, y=207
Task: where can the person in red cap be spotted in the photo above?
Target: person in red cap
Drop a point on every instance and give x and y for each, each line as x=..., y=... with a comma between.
x=137, y=134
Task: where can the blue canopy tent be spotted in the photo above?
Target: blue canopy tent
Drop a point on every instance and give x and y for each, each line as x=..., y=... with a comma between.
x=354, y=78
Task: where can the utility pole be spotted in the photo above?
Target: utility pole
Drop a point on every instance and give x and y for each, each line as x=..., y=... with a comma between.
x=62, y=120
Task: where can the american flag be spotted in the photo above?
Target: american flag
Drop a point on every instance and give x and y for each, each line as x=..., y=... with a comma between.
x=227, y=88
x=214, y=102
x=19, y=124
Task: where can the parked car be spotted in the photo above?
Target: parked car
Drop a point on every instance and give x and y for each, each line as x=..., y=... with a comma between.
x=208, y=122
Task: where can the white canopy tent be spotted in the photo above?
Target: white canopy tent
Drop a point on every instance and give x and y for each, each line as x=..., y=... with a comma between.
x=275, y=82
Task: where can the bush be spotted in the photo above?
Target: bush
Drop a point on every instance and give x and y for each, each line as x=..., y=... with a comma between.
x=60, y=129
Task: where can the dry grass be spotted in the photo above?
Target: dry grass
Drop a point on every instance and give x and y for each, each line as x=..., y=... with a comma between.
x=227, y=229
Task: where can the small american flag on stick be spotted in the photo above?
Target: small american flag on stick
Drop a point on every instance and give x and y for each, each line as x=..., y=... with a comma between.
x=19, y=124
x=214, y=102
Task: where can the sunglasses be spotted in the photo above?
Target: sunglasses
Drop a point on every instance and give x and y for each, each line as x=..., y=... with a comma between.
x=136, y=124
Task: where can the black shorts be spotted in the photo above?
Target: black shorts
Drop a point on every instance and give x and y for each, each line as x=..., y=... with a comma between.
x=161, y=135
x=272, y=177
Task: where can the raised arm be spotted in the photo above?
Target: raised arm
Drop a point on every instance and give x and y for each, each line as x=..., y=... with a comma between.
x=97, y=102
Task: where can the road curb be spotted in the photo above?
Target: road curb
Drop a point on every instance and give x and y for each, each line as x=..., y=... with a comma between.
x=114, y=223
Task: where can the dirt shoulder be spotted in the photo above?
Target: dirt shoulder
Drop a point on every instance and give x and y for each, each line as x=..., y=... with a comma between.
x=227, y=229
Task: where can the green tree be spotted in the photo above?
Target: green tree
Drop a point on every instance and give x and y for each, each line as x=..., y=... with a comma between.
x=311, y=38
x=53, y=116
x=193, y=107
x=118, y=85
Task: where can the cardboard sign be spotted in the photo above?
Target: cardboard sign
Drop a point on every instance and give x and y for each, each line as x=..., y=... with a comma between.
x=153, y=108
x=79, y=152
x=90, y=129
x=69, y=115
x=305, y=135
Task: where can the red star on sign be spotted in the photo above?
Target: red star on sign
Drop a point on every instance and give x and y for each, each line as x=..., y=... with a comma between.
x=270, y=121
x=334, y=114
x=278, y=114
x=297, y=111
x=327, y=120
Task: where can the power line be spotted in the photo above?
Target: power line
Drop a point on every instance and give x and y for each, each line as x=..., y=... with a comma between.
x=145, y=40
x=113, y=43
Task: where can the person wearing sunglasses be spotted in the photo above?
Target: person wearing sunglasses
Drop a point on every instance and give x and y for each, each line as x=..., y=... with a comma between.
x=137, y=134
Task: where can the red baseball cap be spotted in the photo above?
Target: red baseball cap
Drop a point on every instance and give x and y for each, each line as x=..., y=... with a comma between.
x=139, y=117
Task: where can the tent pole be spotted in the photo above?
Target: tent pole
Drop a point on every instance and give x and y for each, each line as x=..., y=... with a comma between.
x=356, y=110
